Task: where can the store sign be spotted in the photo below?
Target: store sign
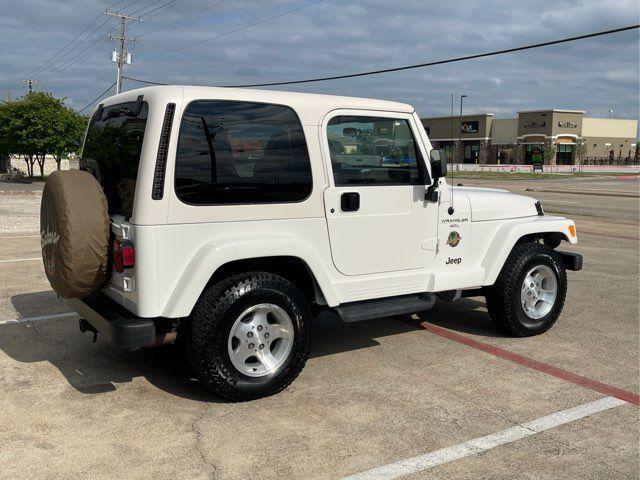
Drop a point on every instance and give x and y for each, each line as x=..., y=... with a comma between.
x=470, y=127
x=536, y=124
x=567, y=124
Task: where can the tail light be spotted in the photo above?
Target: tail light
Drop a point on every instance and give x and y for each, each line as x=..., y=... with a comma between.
x=123, y=255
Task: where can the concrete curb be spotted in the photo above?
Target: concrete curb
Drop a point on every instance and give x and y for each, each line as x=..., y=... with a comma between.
x=601, y=193
x=21, y=192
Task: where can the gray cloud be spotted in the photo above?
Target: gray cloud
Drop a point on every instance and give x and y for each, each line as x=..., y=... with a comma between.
x=335, y=37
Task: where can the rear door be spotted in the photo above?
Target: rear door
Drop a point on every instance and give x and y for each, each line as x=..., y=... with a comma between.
x=111, y=153
x=377, y=217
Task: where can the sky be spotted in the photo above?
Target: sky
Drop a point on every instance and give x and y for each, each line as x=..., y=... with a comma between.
x=239, y=41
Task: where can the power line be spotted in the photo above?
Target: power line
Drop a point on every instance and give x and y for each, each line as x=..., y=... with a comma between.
x=64, y=61
x=61, y=50
x=122, y=9
x=150, y=5
x=149, y=17
x=64, y=48
x=81, y=85
x=427, y=64
x=57, y=68
x=246, y=27
x=96, y=44
x=449, y=60
x=97, y=98
x=149, y=82
x=179, y=19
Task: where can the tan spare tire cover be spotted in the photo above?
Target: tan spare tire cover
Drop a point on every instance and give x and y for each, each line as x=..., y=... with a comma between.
x=74, y=233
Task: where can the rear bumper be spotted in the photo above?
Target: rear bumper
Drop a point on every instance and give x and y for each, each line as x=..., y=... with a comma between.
x=572, y=261
x=121, y=327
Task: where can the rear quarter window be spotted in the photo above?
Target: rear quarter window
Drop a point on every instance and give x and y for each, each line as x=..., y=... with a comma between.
x=232, y=152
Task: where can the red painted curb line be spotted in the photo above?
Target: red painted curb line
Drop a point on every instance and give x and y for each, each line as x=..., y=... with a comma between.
x=589, y=383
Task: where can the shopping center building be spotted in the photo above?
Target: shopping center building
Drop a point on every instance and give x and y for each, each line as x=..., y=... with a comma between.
x=563, y=137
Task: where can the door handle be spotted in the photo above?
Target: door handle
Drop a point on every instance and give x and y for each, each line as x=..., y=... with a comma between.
x=350, y=201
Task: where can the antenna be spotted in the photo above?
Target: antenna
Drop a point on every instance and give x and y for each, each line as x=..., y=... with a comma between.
x=453, y=151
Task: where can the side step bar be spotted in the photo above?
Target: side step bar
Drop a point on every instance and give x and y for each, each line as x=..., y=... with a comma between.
x=385, y=307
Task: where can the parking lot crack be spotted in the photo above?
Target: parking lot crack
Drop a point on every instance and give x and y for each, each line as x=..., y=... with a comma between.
x=195, y=428
x=45, y=337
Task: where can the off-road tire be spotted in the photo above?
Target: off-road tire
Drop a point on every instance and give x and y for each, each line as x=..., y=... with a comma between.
x=211, y=321
x=503, y=298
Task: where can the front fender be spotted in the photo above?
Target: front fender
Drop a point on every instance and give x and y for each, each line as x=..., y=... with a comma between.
x=213, y=254
x=510, y=232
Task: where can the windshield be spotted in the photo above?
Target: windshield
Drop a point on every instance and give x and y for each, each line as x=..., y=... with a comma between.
x=112, y=150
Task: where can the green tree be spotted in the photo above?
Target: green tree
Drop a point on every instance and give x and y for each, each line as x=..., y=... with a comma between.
x=70, y=127
x=38, y=125
x=549, y=150
x=581, y=151
x=6, y=144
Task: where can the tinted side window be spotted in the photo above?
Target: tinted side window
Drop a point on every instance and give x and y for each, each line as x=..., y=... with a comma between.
x=373, y=151
x=241, y=152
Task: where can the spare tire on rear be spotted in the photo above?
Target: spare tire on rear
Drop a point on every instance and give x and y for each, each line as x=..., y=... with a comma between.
x=74, y=233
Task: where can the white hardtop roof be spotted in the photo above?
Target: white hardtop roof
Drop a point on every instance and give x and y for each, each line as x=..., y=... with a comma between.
x=310, y=107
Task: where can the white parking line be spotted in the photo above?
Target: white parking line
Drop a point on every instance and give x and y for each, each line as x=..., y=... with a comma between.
x=19, y=236
x=35, y=319
x=482, y=444
x=11, y=260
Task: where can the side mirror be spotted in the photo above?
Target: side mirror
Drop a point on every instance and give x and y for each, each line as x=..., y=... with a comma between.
x=438, y=163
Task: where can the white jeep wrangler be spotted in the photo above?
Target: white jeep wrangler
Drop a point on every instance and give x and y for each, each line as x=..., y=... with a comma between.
x=224, y=217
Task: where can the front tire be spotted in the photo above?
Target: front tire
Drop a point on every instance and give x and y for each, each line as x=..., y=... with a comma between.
x=249, y=335
x=529, y=294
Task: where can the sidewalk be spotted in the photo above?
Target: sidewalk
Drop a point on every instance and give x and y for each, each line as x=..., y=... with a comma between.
x=13, y=188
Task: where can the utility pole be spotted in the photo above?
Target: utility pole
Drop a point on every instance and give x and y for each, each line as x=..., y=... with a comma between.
x=123, y=56
x=7, y=92
x=30, y=82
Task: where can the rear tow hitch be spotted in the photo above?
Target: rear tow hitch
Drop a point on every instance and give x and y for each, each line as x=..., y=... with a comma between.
x=87, y=327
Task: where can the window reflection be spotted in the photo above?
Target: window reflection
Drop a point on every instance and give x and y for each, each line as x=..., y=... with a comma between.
x=241, y=152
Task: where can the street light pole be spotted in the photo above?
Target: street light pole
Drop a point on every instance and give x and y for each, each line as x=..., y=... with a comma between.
x=462, y=97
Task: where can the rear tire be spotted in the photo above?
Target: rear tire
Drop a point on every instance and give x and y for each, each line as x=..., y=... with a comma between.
x=233, y=364
x=528, y=308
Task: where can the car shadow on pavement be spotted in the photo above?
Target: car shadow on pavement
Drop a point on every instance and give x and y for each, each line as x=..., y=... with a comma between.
x=100, y=368
x=465, y=315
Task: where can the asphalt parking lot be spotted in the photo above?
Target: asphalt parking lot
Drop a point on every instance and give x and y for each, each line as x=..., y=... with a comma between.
x=441, y=394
